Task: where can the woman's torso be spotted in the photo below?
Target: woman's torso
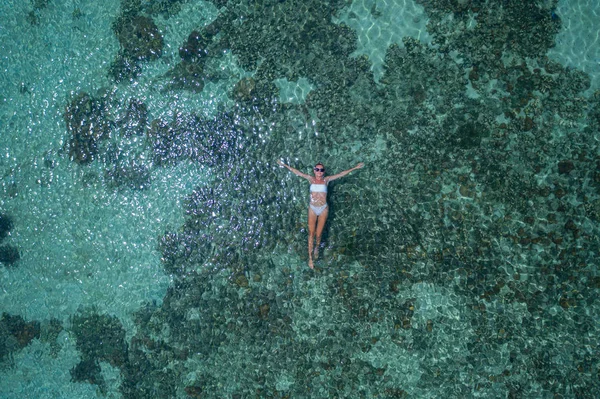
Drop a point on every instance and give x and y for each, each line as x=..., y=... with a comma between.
x=318, y=197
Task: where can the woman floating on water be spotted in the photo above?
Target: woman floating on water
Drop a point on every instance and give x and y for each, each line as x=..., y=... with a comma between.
x=317, y=210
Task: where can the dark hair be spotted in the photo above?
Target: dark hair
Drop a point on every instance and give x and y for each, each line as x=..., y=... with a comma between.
x=319, y=163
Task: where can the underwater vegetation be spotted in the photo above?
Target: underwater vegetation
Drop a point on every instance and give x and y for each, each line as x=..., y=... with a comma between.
x=461, y=261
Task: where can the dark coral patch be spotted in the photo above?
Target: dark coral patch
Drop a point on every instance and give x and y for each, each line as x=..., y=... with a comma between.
x=135, y=119
x=187, y=136
x=139, y=37
x=195, y=47
x=124, y=69
x=133, y=175
x=565, y=167
x=469, y=135
x=100, y=337
x=140, y=40
x=186, y=76
x=6, y=225
x=49, y=333
x=87, y=371
x=16, y=333
x=87, y=125
x=189, y=73
x=9, y=254
x=244, y=89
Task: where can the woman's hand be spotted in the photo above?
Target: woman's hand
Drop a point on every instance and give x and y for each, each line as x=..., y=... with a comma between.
x=360, y=165
x=280, y=163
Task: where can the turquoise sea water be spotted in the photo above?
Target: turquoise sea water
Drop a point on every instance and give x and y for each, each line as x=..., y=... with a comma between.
x=152, y=248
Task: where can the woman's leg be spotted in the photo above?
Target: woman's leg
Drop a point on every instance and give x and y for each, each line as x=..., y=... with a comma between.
x=320, y=225
x=312, y=224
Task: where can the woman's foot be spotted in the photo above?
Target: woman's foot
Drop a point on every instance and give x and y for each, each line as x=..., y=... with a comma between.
x=316, y=253
x=311, y=264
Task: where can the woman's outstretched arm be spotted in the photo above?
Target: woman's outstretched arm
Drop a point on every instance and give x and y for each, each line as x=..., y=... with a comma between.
x=295, y=171
x=344, y=173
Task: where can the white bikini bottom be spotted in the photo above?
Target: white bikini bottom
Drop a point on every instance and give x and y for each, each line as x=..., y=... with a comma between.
x=318, y=210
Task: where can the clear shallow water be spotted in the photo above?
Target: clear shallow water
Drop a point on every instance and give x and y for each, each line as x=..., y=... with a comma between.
x=577, y=43
x=459, y=263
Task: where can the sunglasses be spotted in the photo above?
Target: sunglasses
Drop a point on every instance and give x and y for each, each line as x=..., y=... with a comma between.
x=319, y=169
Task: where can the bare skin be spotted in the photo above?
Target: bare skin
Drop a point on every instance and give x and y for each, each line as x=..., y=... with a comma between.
x=318, y=200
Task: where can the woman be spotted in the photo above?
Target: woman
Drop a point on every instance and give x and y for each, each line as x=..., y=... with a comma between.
x=317, y=209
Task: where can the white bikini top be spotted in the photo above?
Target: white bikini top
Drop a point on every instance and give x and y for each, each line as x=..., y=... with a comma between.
x=318, y=188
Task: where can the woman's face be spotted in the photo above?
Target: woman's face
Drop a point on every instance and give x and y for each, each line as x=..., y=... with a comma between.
x=319, y=170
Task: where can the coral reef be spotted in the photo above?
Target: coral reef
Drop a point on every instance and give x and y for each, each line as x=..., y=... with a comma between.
x=100, y=338
x=33, y=17
x=6, y=225
x=208, y=141
x=136, y=118
x=9, y=254
x=244, y=89
x=124, y=69
x=196, y=45
x=140, y=41
x=49, y=332
x=16, y=333
x=189, y=73
x=133, y=175
x=139, y=37
x=87, y=125
x=88, y=371
x=467, y=243
x=477, y=29
x=186, y=76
